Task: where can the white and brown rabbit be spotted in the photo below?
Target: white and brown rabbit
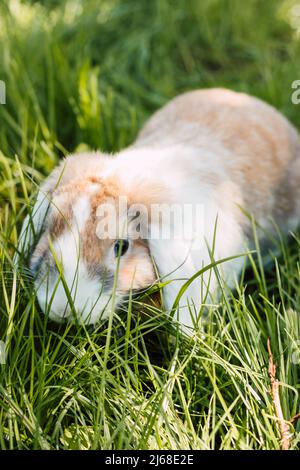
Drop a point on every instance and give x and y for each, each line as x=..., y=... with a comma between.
x=202, y=162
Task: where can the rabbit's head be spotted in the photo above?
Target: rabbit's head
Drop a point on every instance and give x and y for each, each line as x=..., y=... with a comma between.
x=88, y=258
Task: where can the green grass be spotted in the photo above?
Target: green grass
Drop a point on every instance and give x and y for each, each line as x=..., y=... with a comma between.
x=86, y=74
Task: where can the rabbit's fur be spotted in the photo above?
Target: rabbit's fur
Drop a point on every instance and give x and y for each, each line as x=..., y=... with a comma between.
x=227, y=152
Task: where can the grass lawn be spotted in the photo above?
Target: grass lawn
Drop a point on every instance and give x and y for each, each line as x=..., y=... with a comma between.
x=86, y=74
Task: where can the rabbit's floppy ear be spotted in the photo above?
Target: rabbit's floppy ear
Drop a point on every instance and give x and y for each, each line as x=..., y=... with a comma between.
x=34, y=222
x=32, y=225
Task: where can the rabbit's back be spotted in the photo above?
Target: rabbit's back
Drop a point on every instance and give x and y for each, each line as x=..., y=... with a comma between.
x=254, y=143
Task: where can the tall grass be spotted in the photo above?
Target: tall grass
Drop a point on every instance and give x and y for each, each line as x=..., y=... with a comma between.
x=86, y=74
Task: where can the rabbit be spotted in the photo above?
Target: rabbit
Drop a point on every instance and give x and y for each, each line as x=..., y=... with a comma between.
x=225, y=156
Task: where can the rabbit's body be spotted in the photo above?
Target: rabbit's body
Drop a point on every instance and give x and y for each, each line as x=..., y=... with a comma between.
x=224, y=152
x=235, y=139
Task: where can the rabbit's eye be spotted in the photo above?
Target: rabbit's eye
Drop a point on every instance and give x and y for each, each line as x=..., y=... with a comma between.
x=121, y=246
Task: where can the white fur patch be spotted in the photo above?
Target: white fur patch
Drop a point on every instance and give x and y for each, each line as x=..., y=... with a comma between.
x=82, y=212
